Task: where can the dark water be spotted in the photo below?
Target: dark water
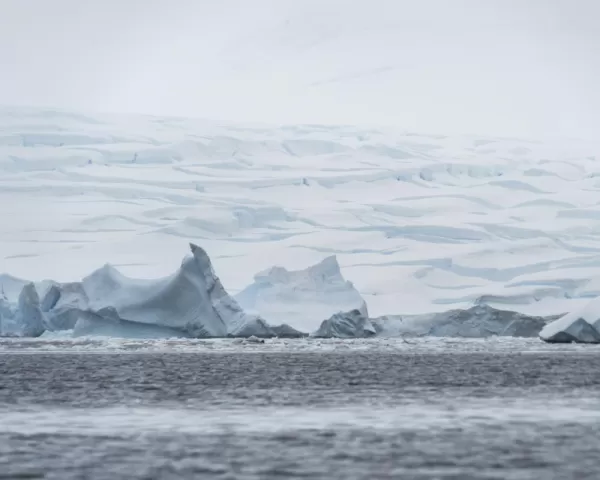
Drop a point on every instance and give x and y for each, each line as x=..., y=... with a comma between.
x=300, y=415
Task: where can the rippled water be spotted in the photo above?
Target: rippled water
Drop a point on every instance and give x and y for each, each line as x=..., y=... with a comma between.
x=266, y=413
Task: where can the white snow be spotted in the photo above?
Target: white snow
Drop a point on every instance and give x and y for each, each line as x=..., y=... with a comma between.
x=419, y=223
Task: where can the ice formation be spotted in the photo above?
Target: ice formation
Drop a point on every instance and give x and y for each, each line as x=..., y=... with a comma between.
x=480, y=321
x=23, y=318
x=302, y=298
x=476, y=322
x=422, y=224
x=581, y=325
x=193, y=303
x=190, y=303
x=352, y=324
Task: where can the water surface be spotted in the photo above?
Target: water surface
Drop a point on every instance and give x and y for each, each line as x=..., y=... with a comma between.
x=463, y=412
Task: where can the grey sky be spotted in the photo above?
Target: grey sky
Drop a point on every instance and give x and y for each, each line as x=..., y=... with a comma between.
x=507, y=67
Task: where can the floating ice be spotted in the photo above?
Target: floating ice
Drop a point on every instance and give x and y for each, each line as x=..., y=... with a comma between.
x=190, y=303
x=582, y=326
x=353, y=324
x=23, y=318
x=479, y=321
x=302, y=298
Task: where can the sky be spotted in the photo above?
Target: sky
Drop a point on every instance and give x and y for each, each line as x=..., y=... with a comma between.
x=526, y=68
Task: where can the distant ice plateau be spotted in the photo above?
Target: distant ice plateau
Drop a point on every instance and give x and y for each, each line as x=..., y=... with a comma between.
x=437, y=235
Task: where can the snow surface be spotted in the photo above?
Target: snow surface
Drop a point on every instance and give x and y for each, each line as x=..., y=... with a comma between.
x=419, y=223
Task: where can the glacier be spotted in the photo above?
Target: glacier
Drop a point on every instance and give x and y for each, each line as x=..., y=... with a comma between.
x=421, y=224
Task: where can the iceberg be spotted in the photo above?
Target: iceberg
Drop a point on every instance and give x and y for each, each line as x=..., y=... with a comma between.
x=192, y=302
x=23, y=318
x=302, y=298
x=581, y=326
x=353, y=324
x=479, y=321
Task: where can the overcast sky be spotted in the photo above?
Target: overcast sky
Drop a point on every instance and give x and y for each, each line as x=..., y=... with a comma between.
x=505, y=67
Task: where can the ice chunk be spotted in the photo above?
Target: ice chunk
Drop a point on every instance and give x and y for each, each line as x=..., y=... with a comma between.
x=476, y=322
x=352, y=324
x=11, y=287
x=581, y=326
x=25, y=318
x=64, y=304
x=190, y=303
x=302, y=298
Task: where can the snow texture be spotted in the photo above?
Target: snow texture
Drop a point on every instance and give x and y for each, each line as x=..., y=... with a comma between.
x=582, y=326
x=303, y=298
x=420, y=223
